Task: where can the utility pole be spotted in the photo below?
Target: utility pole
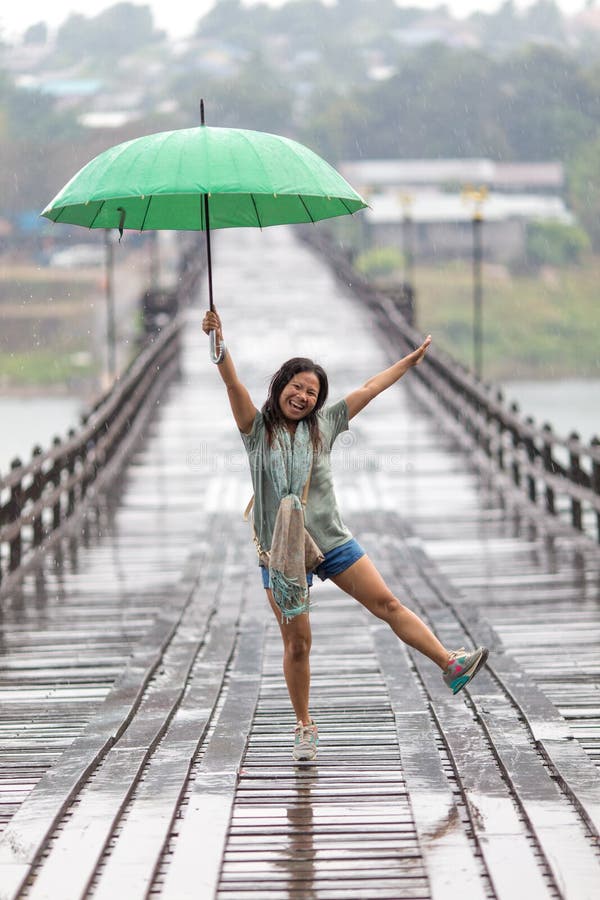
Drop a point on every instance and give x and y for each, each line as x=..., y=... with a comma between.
x=476, y=197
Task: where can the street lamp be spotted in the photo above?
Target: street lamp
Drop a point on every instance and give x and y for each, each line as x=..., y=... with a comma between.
x=406, y=202
x=408, y=290
x=476, y=197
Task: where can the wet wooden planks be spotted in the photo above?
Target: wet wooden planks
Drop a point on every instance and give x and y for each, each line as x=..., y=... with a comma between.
x=340, y=827
x=539, y=591
x=85, y=826
x=512, y=739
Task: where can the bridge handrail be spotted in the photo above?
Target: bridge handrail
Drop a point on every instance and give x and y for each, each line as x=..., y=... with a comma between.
x=513, y=444
x=39, y=496
x=59, y=478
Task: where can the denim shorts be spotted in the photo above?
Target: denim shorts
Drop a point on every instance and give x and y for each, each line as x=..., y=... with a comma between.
x=336, y=561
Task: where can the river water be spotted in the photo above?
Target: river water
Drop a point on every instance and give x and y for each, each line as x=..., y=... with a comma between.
x=25, y=422
x=570, y=404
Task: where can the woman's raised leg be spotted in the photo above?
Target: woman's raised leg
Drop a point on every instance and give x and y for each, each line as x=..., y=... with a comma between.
x=363, y=582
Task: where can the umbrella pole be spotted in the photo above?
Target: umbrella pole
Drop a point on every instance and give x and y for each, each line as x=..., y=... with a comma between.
x=217, y=354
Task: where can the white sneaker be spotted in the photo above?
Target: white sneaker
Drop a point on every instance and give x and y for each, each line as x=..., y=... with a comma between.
x=306, y=741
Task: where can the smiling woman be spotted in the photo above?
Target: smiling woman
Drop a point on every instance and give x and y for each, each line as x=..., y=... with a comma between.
x=298, y=528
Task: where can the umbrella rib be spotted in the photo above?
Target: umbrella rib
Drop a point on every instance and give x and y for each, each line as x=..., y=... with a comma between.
x=343, y=202
x=256, y=211
x=301, y=199
x=91, y=225
x=146, y=213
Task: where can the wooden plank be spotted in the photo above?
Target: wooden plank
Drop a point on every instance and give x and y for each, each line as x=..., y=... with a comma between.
x=206, y=817
x=28, y=831
x=131, y=864
x=84, y=836
x=449, y=859
x=573, y=861
x=571, y=764
x=319, y=828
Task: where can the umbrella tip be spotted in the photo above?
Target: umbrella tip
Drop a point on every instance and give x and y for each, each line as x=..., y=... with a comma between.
x=201, y=111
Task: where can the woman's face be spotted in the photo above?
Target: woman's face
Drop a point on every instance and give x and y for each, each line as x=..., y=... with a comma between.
x=299, y=396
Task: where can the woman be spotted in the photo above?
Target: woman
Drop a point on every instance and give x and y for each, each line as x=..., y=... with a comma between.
x=297, y=524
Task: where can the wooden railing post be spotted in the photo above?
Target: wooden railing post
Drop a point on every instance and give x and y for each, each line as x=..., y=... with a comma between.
x=35, y=492
x=575, y=475
x=54, y=477
x=500, y=428
x=595, y=442
x=514, y=433
x=70, y=466
x=15, y=505
x=549, y=466
x=530, y=448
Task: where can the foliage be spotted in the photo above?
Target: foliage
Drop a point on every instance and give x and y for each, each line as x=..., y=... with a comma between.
x=36, y=34
x=36, y=147
x=43, y=367
x=555, y=244
x=534, y=104
x=380, y=261
x=114, y=32
x=532, y=327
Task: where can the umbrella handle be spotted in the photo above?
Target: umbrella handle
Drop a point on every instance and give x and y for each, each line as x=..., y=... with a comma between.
x=217, y=349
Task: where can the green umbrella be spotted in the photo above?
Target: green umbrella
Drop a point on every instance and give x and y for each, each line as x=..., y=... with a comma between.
x=203, y=178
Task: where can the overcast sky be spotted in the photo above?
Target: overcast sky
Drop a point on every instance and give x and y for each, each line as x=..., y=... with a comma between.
x=179, y=17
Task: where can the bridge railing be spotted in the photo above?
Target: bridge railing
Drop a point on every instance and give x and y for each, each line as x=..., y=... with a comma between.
x=38, y=497
x=560, y=475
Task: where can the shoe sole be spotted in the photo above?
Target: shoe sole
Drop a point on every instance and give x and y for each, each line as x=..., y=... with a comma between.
x=304, y=755
x=470, y=674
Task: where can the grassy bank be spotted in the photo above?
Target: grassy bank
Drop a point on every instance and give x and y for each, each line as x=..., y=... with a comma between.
x=46, y=321
x=46, y=369
x=535, y=326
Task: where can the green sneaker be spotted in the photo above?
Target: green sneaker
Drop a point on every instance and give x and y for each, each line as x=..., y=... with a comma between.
x=463, y=666
x=306, y=741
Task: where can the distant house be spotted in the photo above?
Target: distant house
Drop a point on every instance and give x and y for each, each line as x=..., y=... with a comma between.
x=371, y=174
x=431, y=195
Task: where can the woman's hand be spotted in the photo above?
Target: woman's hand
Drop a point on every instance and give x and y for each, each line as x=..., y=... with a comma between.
x=212, y=322
x=417, y=355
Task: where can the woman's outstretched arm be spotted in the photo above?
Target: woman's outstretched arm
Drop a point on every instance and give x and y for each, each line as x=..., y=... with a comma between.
x=242, y=407
x=359, y=398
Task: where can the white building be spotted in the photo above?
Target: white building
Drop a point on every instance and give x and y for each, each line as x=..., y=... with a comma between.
x=433, y=196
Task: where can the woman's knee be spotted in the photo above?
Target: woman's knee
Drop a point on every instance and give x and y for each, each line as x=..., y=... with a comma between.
x=297, y=646
x=386, y=607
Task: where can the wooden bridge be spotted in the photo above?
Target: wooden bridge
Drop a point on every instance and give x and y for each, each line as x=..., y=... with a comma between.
x=146, y=732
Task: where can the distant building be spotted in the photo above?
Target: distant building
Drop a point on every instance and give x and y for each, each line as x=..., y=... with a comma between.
x=431, y=194
x=371, y=174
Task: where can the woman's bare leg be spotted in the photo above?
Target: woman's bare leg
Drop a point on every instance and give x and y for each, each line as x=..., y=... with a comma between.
x=363, y=582
x=296, y=636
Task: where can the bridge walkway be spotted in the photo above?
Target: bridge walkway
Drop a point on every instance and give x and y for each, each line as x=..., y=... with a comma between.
x=146, y=732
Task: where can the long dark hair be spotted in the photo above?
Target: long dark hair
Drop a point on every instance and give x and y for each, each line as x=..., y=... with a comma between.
x=271, y=411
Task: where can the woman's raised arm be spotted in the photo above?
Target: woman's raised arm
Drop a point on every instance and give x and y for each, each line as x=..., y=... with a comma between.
x=359, y=398
x=242, y=407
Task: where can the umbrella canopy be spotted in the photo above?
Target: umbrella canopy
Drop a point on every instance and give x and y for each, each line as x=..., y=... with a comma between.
x=250, y=178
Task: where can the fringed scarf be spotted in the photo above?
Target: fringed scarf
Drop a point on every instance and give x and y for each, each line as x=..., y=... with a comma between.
x=293, y=551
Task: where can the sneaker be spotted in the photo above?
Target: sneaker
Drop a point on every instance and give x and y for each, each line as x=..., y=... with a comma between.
x=463, y=666
x=306, y=741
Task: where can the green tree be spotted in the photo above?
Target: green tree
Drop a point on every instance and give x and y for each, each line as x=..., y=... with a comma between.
x=545, y=107
x=36, y=34
x=555, y=243
x=115, y=32
x=37, y=148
